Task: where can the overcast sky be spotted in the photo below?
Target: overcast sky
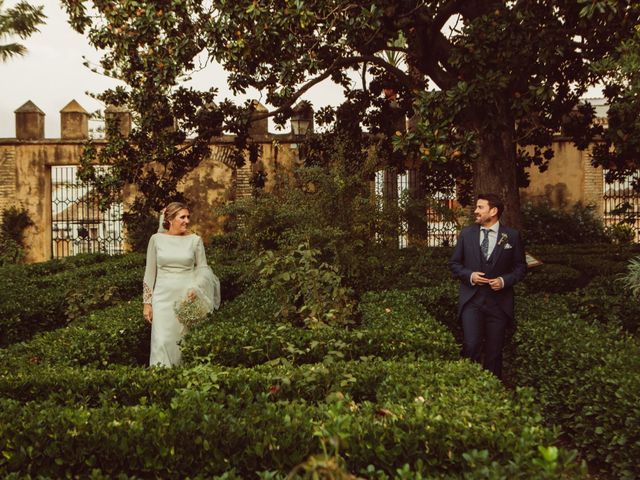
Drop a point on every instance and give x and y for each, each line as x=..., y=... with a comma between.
x=52, y=74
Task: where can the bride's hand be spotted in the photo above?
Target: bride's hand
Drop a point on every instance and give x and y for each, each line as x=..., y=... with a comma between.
x=191, y=295
x=147, y=312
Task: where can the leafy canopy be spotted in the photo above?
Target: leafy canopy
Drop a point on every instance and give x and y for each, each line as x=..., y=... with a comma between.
x=481, y=79
x=21, y=20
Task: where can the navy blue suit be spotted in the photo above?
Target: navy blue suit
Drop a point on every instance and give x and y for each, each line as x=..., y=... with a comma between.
x=485, y=313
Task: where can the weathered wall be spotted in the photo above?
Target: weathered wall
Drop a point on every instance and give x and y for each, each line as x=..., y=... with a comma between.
x=26, y=161
x=7, y=177
x=26, y=181
x=569, y=179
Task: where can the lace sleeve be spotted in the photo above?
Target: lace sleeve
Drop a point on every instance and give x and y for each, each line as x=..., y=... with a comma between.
x=150, y=270
x=206, y=285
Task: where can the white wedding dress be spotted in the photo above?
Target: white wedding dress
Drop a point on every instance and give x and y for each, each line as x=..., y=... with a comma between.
x=176, y=266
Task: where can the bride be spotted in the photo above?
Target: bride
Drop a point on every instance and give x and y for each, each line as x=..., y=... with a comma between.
x=176, y=271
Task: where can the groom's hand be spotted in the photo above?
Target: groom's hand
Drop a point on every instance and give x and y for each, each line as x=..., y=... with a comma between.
x=478, y=278
x=496, y=283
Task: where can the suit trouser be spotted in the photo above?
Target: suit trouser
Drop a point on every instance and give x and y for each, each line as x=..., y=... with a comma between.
x=482, y=319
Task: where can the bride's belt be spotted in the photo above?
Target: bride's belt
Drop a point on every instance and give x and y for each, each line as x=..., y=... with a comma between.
x=173, y=273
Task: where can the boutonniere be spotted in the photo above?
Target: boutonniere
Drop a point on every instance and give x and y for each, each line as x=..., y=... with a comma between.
x=503, y=239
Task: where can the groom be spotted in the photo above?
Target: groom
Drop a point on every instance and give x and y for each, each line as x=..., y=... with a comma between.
x=488, y=260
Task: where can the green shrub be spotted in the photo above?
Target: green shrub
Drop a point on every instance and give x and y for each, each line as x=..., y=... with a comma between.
x=114, y=335
x=608, y=301
x=587, y=376
x=552, y=278
x=88, y=386
x=140, y=228
x=46, y=296
x=438, y=418
x=49, y=295
x=545, y=225
x=14, y=222
x=309, y=292
x=405, y=268
x=245, y=334
x=622, y=233
x=631, y=278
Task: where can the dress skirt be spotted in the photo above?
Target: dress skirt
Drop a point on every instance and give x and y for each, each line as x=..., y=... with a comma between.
x=166, y=331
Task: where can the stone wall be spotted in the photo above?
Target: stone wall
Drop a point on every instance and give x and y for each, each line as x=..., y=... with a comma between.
x=7, y=177
x=26, y=161
x=570, y=179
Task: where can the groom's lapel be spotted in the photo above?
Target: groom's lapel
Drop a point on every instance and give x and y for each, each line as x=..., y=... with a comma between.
x=499, y=248
x=475, y=234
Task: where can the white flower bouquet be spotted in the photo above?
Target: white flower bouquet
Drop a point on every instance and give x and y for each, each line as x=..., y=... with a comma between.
x=191, y=311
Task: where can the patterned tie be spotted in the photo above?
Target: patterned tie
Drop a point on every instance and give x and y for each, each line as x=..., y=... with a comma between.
x=484, y=246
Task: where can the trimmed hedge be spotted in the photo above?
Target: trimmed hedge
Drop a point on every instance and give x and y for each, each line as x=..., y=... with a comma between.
x=45, y=296
x=392, y=324
x=49, y=295
x=552, y=278
x=590, y=260
x=114, y=335
x=608, y=301
x=588, y=377
x=438, y=418
x=91, y=387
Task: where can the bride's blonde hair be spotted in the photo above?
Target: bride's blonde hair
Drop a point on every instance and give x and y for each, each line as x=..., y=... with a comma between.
x=171, y=211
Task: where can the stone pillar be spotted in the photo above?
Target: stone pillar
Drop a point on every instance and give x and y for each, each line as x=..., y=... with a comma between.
x=29, y=122
x=74, y=122
x=120, y=116
x=261, y=126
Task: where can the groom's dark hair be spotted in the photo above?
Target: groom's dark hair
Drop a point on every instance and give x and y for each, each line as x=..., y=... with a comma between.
x=494, y=201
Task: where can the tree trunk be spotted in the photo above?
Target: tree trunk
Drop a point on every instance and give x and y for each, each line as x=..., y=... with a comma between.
x=494, y=171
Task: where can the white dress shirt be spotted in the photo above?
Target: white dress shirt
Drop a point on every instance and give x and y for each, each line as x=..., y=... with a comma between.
x=493, y=236
x=493, y=240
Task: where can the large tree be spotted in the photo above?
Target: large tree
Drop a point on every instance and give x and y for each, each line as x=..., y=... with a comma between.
x=21, y=21
x=618, y=150
x=483, y=78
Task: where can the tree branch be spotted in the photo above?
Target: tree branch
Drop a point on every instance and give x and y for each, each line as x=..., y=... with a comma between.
x=337, y=65
x=446, y=11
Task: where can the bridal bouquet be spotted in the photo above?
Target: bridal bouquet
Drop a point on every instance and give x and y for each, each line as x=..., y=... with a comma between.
x=191, y=311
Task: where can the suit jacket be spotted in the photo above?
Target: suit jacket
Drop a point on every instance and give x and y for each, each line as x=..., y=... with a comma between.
x=507, y=261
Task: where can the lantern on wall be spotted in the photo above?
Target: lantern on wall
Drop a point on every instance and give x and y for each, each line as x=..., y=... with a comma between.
x=302, y=118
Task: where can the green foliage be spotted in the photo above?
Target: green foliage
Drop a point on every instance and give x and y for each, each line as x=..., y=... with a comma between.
x=606, y=300
x=552, y=278
x=245, y=333
x=619, y=148
x=327, y=208
x=139, y=230
x=21, y=20
x=622, y=233
x=631, y=279
x=545, y=225
x=115, y=335
x=587, y=378
x=385, y=415
x=590, y=259
x=14, y=222
x=49, y=295
x=307, y=291
x=382, y=397
x=75, y=384
x=507, y=76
